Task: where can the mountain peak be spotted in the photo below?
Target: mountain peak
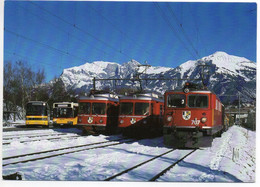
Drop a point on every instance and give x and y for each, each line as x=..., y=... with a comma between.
x=220, y=53
x=133, y=63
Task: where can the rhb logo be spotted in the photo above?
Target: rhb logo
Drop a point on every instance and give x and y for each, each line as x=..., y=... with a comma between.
x=195, y=122
x=133, y=120
x=90, y=119
x=186, y=115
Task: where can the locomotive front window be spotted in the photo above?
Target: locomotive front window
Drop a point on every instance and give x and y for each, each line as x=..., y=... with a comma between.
x=176, y=101
x=141, y=108
x=198, y=101
x=99, y=108
x=84, y=108
x=126, y=108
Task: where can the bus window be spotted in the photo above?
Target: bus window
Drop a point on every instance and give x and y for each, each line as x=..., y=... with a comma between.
x=62, y=112
x=32, y=109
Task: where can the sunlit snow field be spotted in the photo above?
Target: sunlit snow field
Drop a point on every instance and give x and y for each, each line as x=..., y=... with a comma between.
x=230, y=159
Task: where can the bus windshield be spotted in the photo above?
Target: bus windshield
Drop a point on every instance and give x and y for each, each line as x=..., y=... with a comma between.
x=126, y=108
x=198, y=101
x=63, y=113
x=176, y=101
x=141, y=108
x=99, y=108
x=36, y=110
x=84, y=108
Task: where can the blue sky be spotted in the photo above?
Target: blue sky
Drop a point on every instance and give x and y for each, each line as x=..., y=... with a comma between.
x=58, y=35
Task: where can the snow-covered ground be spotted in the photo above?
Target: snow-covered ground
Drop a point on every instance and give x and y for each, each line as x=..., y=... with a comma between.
x=230, y=159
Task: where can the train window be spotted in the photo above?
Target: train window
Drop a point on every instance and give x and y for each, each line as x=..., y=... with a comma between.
x=198, y=101
x=84, y=108
x=126, y=108
x=176, y=100
x=99, y=108
x=141, y=108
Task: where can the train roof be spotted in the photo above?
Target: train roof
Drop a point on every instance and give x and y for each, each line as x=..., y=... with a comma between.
x=101, y=96
x=192, y=91
x=143, y=96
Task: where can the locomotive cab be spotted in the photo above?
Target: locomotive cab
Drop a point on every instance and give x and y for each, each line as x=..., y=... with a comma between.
x=141, y=115
x=192, y=117
x=98, y=112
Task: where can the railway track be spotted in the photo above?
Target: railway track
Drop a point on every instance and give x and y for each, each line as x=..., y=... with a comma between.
x=23, y=128
x=34, y=140
x=31, y=136
x=61, y=151
x=154, y=178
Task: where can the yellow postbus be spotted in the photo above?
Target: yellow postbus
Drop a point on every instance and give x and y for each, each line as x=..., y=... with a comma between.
x=65, y=114
x=37, y=113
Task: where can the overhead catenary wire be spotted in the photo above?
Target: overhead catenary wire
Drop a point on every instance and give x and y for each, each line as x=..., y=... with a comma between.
x=119, y=30
x=36, y=60
x=164, y=16
x=80, y=29
x=43, y=44
x=62, y=30
x=182, y=29
x=197, y=29
x=48, y=46
x=69, y=35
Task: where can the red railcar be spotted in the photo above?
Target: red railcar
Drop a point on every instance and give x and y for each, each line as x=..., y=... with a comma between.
x=98, y=112
x=192, y=118
x=141, y=115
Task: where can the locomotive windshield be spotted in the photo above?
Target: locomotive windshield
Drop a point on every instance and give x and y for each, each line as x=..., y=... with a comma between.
x=176, y=100
x=62, y=113
x=126, y=108
x=141, y=108
x=99, y=108
x=198, y=101
x=84, y=108
x=36, y=109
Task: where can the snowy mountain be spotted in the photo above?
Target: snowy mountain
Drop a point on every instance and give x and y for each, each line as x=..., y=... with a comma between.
x=229, y=74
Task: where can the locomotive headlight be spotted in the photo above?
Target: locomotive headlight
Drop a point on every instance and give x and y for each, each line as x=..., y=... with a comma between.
x=121, y=121
x=101, y=121
x=203, y=120
x=169, y=118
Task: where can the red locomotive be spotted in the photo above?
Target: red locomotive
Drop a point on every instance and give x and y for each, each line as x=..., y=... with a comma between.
x=141, y=115
x=193, y=116
x=98, y=112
